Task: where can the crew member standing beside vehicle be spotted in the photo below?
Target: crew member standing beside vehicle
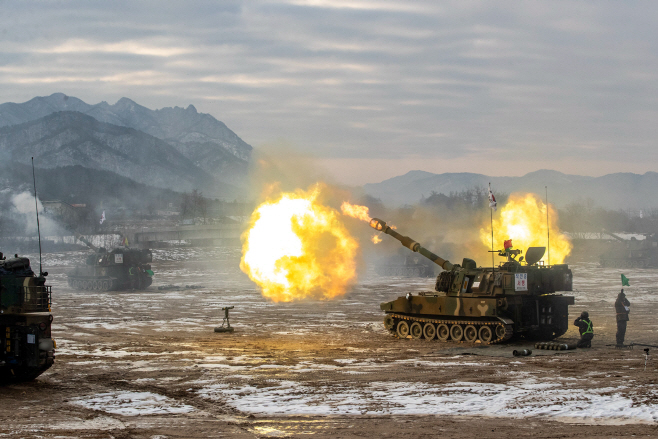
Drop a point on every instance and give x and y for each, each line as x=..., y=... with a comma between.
x=132, y=275
x=622, y=308
x=586, y=328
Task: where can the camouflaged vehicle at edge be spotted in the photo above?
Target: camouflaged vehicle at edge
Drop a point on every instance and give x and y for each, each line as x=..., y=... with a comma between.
x=26, y=346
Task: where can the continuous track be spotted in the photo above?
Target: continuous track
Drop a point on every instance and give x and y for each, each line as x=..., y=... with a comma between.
x=93, y=284
x=465, y=330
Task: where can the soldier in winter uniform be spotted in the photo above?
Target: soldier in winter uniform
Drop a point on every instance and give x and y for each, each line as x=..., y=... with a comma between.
x=586, y=328
x=622, y=309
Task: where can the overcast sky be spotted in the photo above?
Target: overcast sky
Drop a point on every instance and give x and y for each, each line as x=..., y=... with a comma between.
x=372, y=89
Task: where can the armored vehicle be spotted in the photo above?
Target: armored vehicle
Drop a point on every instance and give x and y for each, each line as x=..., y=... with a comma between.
x=631, y=253
x=489, y=305
x=27, y=347
x=119, y=269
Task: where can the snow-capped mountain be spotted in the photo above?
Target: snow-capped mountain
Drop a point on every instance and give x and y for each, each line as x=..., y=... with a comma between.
x=205, y=141
x=69, y=138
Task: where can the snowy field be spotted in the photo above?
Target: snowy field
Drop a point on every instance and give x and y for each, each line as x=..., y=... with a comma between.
x=149, y=362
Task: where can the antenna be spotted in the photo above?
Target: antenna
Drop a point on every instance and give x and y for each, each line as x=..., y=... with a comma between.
x=36, y=207
x=493, y=264
x=548, y=229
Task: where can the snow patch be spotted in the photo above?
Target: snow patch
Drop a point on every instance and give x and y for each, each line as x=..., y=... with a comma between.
x=132, y=404
x=522, y=400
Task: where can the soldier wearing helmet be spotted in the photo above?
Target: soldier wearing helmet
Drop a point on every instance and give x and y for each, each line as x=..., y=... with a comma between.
x=586, y=328
x=622, y=308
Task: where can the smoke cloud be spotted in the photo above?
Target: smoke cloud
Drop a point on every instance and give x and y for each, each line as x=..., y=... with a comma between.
x=19, y=216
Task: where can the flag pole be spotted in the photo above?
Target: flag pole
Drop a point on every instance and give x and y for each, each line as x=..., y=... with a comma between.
x=548, y=229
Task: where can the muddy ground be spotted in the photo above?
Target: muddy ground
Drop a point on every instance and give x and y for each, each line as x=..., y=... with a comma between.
x=149, y=365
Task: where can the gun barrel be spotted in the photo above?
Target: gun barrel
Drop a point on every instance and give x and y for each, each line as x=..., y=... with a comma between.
x=87, y=243
x=412, y=245
x=617, y=237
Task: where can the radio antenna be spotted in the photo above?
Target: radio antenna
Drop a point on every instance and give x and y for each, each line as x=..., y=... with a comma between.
x=548, y=229
x=36, y=207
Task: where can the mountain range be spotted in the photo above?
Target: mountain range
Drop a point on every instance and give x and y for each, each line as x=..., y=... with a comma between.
x=184, y=148
x=181, y=149
x=612, y=191
x=69, y=138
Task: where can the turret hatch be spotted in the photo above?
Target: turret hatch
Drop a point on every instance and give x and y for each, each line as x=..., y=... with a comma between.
x=534, y=254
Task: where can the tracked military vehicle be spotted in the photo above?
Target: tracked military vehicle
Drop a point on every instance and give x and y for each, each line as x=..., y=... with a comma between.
x=27, y=349
x=119, y=269
x=631, y=253
x=489, y=305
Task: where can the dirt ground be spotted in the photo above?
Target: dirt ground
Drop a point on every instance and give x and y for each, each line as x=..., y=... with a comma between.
x=149, y=365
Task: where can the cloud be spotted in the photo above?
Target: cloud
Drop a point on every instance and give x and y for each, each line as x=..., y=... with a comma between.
x=463, y=81
x=81, y=46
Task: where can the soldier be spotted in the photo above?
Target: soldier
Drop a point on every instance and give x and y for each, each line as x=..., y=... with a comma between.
x=586, y=328
x=622, y=309
x=133, y=276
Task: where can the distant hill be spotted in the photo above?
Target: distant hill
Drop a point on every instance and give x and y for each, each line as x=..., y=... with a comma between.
x=76, y=184
x=613, y=191
x=70, y=138
x=205, y=141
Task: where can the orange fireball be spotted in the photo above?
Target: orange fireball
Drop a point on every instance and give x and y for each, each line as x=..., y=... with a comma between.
x=523, y=219
x=296, y=248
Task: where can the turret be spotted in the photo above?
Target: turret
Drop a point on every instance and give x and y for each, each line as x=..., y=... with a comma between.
x=412, y=245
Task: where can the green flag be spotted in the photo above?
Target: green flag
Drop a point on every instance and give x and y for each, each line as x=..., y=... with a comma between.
x=150, y=272
x=624, y=281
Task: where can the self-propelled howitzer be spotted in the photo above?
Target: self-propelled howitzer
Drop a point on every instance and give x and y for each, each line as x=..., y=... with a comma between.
x=489, y=305
x=120, y=269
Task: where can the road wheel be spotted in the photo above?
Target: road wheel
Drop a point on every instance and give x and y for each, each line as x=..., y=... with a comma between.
x=443, y=332
x=416, y=330
x=429, y=331
x=389, y=321
x=456, y=332
x=500, y=331
x=403, y=329
x=86, y=285
x=485, y=334
x=96, y=285
x=470, y=333
x=106, y=285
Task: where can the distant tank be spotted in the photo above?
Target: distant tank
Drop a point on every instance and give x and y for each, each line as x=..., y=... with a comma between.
x=410, y=265
x=489, y=305
x=27, y=349
x=119, y=269
x=631, y=253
